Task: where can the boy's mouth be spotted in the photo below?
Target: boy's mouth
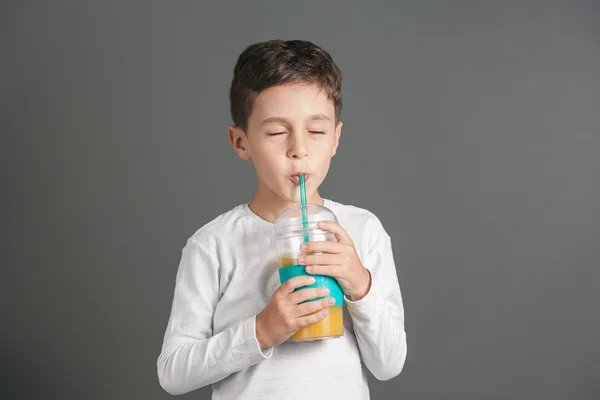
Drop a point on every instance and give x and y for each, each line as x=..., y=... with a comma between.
x=295, y=178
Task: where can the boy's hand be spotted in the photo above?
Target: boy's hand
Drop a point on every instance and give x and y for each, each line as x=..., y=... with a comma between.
x=283, y=316
x=341, y=261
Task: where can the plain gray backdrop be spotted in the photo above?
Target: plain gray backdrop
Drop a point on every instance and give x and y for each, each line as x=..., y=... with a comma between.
x=472, y=129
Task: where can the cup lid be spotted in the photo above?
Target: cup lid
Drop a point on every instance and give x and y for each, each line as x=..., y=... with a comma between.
x=289, y=223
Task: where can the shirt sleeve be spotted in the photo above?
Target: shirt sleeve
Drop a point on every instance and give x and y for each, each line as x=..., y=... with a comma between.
x=378, y=318
x=191, y=356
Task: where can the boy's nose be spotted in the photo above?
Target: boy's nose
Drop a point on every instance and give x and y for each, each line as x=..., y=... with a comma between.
x=297, y=148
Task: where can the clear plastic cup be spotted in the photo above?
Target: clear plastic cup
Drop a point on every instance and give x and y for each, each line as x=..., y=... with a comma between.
x=289, y=233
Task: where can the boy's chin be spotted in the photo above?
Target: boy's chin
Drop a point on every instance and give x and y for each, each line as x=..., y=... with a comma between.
x=292, y=196
x=295, y=197
x=291, y=199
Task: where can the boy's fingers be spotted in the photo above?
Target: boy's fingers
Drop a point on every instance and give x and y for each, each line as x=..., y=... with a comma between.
x=328, y=270
x=311, y=319
x=312, y=306
x=307, y=294
x=321, y=259
x=296, y=282
x=340, y=233
x=322, y=247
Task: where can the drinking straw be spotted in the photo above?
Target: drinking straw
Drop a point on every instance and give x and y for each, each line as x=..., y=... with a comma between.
x=304, y=211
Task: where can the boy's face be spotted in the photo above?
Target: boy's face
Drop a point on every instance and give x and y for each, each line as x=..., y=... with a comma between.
x=291, y=130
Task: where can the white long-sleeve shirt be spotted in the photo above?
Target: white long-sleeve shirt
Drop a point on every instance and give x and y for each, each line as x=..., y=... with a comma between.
x=227, y=274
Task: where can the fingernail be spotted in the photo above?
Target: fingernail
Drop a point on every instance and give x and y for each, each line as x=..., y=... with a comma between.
x=321, y=224
x=325, y=312
x=311, y=279
x=330, y=301
x=303, y=246
x=301, y=259
x=326, y=291
x=309, y=269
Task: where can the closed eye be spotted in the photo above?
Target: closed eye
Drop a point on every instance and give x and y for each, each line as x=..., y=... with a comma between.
x=318, y=132
x=276, y=133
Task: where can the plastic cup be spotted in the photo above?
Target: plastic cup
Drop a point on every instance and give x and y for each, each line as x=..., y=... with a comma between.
x=289, y=233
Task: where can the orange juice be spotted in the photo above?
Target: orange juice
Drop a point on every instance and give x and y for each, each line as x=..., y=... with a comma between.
x=330, y=327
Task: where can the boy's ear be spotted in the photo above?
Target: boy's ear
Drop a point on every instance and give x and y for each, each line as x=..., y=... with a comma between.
x=239, y=141
x=338, y=133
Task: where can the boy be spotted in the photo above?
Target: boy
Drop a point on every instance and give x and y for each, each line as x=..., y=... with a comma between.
x=230, y=317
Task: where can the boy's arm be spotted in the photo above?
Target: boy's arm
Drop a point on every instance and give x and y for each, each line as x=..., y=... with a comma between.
x=191, y=357
x=378, y=318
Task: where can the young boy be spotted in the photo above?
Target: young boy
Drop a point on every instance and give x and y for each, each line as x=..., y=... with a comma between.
x=230, y=317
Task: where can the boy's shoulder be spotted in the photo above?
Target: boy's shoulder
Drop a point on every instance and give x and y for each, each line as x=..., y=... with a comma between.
x=223, y=225
x=349, y=210
x=356, y=218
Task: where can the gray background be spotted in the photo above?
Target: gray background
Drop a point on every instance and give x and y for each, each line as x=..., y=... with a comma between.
x=471, y=130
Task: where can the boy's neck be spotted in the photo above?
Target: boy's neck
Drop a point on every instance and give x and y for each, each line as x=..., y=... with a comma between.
x=268, y=205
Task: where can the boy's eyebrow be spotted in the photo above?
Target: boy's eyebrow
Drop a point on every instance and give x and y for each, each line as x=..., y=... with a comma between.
x=285, y=121
x=319, y=116
x=274, y=119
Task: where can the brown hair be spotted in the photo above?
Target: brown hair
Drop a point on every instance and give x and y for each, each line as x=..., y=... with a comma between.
x=276, y=62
